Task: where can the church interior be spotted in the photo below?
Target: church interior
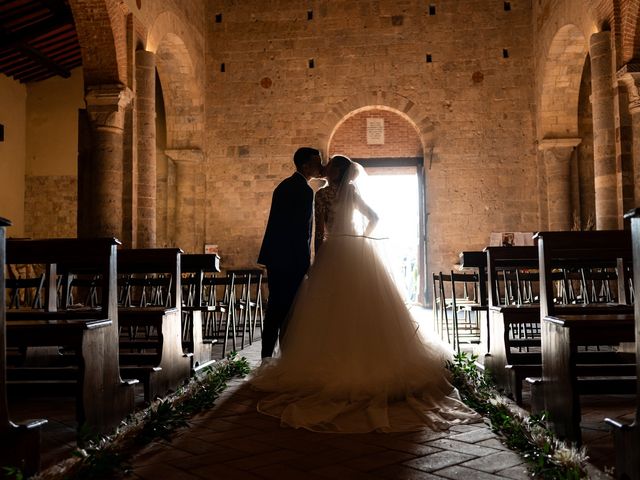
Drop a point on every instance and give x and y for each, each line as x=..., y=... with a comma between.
x=140, y=145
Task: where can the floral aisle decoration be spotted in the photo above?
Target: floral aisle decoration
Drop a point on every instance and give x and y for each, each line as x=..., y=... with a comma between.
x=107, y=455
x=549, y=458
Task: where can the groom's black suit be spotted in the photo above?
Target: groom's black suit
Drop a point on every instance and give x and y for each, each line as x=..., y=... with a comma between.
x=286, y=252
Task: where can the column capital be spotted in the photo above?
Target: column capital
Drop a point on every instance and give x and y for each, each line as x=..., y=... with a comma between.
x=629, y=76
x=552, y=143
x=106, y=104
x=192, y=156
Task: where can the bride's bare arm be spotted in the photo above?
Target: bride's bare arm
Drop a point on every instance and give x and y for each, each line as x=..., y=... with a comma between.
x=368, y=212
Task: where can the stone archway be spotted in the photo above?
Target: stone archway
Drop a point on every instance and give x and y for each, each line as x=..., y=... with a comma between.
x=100, y=27
x=184, y=119
x=559, y=126
x=404, y=106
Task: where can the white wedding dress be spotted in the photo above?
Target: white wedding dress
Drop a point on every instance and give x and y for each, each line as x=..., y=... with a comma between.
x=353, y=359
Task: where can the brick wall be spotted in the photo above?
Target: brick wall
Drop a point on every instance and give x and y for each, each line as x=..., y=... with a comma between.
x=472, y=106
x=400, y=137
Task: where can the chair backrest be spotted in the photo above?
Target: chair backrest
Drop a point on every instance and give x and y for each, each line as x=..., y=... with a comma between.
x=155, y=271
x=511, y=271
x=573, y=251
x=464, y=287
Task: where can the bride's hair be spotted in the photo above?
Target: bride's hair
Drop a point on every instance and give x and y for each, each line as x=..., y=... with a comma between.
x=342, y=163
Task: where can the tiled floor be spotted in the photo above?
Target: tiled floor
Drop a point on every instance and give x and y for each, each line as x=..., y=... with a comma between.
x=233, y=441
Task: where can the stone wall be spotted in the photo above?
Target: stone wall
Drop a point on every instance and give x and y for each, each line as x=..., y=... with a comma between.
x=51, y=206
x=289, y=75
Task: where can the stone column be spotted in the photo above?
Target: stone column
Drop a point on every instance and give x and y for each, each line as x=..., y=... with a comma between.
x=146, y=128
x=106, y=105
x=631, y=79
x=557, y=154
x=187, y=162
x=604, y=140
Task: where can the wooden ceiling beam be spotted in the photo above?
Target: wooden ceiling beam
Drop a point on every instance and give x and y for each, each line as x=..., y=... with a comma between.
x=10, y=40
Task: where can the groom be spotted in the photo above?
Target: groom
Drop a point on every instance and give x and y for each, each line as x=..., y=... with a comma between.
x=286, y=247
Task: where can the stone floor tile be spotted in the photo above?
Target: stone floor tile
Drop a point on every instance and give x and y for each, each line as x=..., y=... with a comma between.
x=400, y=472
x=416, y=449
x=493, y=443
x=246, y=444
x=474, y=436
x=462, y=447
x=467, y=427
x=286, y=472
x=221, y=471
x=495, y=462
x=214, y=457
x=457, y=472
x=325, y=458
x=425, y=436
x=263, y=459
x=158, y=452
x=438, y=460
x=238, y=432
x=519, y=472
x=377, y=460
x=341, y=472
x=156, y=471
x=351, y=443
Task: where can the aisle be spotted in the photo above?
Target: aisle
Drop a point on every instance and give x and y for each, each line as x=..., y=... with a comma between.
x=233, y=441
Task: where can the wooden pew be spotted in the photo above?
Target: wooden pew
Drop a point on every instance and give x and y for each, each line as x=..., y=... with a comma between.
x=103, y=399
x=20, y=441
x=505, y=361
x=564, y=328
x=627, y=437
x=151, y=335
x=195, y=308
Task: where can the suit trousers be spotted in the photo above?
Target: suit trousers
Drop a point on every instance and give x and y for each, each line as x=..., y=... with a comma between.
x=283, y=286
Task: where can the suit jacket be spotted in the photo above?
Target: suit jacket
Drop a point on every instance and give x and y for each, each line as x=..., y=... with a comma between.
x=287, y=239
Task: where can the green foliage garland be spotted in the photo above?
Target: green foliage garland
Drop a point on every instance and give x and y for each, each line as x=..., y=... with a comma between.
x=549, y=458
x=106, y=455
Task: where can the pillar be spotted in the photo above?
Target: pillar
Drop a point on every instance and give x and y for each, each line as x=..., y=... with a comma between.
x=557, y=154
x=604, y=142
x=106, y=105
x=146, y=140
x=187, y=162
x=632, y=81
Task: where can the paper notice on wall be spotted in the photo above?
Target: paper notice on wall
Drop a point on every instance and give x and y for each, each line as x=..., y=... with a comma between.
x=210, y=249
x=511, y=239
x=375, y=131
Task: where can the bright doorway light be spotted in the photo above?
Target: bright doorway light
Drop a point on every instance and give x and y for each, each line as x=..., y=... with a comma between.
x=395, y=199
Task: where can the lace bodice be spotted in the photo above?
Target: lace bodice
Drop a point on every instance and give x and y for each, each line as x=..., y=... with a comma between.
x=324, y=213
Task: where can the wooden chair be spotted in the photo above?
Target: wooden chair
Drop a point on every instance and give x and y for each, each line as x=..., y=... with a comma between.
x=195, y=309
x=222, y=296
x=464, y=305
x=28, y=288
x=248, y=301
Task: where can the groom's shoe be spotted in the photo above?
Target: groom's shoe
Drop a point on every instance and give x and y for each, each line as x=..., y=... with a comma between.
x=266, y=361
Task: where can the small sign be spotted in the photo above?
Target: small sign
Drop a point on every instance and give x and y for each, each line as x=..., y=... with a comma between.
x=210, y=248
x=375, y=131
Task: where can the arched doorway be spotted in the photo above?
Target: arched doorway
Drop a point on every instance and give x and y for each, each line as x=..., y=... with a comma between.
x=388, y=145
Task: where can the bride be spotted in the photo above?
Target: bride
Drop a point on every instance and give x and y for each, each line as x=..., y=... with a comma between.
x=352, y=359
